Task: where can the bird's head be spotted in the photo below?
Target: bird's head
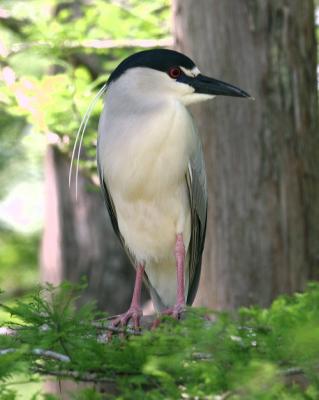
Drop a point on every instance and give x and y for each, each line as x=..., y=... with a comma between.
x=168, y=73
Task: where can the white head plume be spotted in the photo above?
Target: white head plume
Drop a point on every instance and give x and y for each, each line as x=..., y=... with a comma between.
x=79, y=135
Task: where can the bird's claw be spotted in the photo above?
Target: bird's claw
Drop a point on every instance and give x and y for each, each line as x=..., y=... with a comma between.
x=176, y=312
x=133, y=313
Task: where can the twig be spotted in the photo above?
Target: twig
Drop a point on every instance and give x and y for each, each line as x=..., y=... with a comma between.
x=6, y=331
x=104, y=324
x=6, y=351
x=84, y=377
x=295, y=377
x=40, y=352
x=51, y=354
x=112, y=44
x=202, y=356
x=292, y=371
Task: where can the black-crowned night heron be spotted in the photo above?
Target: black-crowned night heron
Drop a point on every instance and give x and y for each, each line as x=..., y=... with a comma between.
x=152, y=173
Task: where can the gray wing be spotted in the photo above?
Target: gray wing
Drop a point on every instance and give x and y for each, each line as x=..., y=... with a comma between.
x=197, y=188
x=111, y=209
x=108, y=200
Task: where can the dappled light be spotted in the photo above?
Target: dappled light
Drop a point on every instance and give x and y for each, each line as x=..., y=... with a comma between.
x=66, y=280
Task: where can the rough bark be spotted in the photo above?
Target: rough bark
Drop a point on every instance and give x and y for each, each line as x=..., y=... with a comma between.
x=79, y=241
x=263, y=217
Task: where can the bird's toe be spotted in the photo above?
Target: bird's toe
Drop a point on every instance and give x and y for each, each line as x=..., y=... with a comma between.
x=133, y=313
x=176, y=312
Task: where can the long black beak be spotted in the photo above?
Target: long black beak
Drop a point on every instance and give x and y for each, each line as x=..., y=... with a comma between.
x=204, y=84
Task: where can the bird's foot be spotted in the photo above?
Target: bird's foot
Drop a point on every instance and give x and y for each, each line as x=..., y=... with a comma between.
x=134, y=313
x=176, y=312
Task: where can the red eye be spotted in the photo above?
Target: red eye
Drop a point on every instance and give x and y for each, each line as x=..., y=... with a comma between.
x=174, y=72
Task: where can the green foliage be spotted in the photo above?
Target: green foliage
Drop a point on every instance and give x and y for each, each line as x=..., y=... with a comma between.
x=46, y=84
x=53, y=92
x=18, y=259
x=250, y=355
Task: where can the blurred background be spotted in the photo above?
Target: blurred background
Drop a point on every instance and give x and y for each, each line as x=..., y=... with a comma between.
x=261, y=157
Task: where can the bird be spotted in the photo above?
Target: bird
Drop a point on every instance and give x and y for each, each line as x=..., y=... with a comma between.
x=152, y=174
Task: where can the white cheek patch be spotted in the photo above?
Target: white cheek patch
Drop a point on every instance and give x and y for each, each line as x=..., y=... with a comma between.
x=195, y=71
x=190, y=72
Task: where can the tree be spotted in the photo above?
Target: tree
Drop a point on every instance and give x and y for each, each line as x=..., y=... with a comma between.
x=263, y=217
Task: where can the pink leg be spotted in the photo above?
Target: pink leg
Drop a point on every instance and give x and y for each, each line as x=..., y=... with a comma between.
x=180, y=267
x=134, y=312
x=180, y=305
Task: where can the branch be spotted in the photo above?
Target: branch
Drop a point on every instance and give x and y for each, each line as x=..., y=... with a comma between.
x=84, y=377
x=7, y=351
x=14, y=24
x=296, y=377
x=51, y=354
x=112, y=44
x=146, y=323
x=93, y=44
x=102, y=325
x=42, y=353
x=93, y=377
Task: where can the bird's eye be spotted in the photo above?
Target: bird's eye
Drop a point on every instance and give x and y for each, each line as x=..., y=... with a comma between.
x=174, y=72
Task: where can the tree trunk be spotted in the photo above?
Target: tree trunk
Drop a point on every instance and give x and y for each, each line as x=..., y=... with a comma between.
x=263, y=214
x=78, y=240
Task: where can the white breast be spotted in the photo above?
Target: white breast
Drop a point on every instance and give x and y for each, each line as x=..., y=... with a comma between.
x=144, y=155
